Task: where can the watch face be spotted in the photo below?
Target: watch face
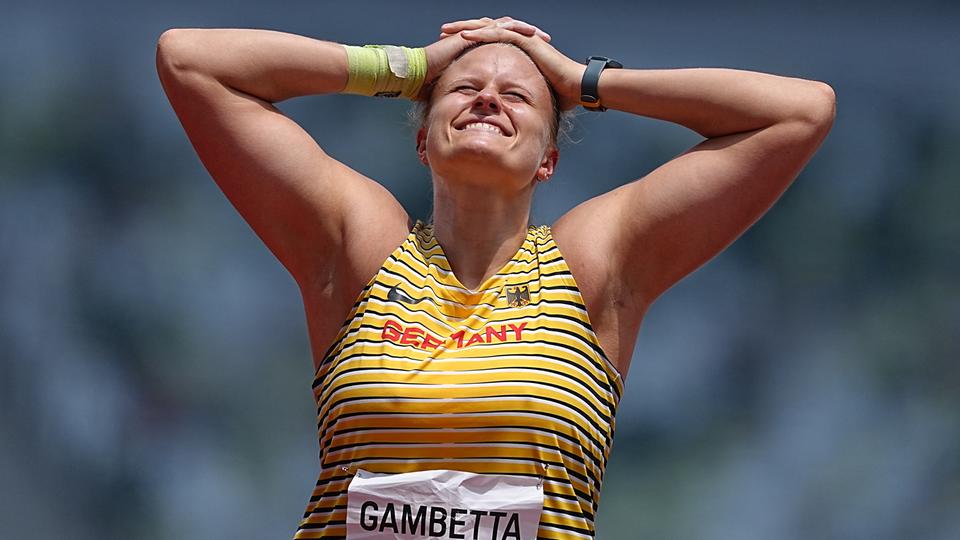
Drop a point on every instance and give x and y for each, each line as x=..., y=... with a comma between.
x=607, y=62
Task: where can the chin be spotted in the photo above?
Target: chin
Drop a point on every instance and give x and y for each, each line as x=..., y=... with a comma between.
x=481, y=145
x=472, y=151
x=483, y=164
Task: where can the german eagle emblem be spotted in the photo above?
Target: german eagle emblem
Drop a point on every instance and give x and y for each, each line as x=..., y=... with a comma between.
x=518, y=296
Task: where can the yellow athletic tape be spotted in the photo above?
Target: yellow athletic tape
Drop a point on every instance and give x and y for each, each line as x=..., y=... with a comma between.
x=385, y=70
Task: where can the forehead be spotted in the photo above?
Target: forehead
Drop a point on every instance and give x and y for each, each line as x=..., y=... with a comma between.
x=500, y=61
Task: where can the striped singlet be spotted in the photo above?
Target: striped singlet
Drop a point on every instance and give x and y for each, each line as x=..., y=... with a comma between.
x=508, y=379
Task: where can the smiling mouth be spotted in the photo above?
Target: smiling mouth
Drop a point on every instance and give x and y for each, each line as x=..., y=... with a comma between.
x=482, y=126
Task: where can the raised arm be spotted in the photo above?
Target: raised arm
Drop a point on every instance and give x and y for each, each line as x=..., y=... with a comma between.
x=761, y=130
x=330, y=226
x=636, y=241
x=222, y=84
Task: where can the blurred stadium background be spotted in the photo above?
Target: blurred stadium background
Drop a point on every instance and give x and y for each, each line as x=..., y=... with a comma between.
x=154, y=364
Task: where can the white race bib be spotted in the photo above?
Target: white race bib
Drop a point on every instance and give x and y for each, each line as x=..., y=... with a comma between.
x=443, y=504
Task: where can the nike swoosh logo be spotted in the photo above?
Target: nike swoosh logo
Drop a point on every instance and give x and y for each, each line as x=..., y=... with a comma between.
x=396, y=295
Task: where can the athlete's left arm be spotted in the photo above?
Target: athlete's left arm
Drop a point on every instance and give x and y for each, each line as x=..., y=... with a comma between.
x=760, y=132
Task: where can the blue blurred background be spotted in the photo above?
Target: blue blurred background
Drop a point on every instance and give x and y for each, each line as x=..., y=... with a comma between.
x=154, y=363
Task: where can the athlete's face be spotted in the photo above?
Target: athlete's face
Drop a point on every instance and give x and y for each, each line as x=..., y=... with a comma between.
x=491, y=110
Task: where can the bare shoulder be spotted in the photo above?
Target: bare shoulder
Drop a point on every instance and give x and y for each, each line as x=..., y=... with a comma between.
x=374, y=225
x=583, y=238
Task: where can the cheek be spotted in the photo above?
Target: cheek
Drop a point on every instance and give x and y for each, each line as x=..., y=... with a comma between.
x=428, y=128
x=536, y=124
x=434, y=141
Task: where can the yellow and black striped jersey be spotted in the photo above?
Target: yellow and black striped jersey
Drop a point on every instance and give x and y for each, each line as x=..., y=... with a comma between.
x=508, y=379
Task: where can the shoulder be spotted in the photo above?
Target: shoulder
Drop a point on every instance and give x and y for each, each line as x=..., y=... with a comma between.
x=586, y=250
x=330, y=292
x=590, y=265
x=368, y=235
x=590, y=251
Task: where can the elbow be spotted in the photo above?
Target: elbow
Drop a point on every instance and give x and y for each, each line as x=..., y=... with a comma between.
x=174, y=51
x=820, y=106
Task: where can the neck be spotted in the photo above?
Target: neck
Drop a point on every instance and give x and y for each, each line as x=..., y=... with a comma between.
x=479, y=229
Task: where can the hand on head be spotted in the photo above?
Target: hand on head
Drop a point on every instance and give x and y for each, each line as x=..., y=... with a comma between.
x=507, y=23
x=563, y=73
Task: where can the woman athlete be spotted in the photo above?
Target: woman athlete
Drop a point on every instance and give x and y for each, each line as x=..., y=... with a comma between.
x=466, y=383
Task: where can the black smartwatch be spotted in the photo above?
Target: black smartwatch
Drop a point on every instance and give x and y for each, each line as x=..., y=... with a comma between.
x=589, y=97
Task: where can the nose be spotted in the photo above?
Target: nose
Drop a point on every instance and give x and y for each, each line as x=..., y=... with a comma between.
x=487, y=101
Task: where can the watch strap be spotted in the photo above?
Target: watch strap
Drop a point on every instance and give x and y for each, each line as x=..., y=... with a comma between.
x=589, y=95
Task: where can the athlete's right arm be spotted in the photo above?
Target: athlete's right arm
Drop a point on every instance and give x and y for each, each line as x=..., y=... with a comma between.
x=305, y=206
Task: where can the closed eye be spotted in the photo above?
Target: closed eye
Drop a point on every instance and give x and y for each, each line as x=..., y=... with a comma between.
x=517, y=97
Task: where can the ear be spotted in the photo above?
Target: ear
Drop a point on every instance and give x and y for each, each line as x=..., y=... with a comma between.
x=422, y=146
x=548, y=164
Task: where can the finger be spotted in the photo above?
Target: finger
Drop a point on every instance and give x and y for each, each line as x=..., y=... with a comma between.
x=519, y=27
x=534, y=31
x=470, y=24
x=526, y=29
x=492, y=34
x=445, y=35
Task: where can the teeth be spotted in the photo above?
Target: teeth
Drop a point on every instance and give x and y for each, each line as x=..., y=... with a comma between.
x=482, y=125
